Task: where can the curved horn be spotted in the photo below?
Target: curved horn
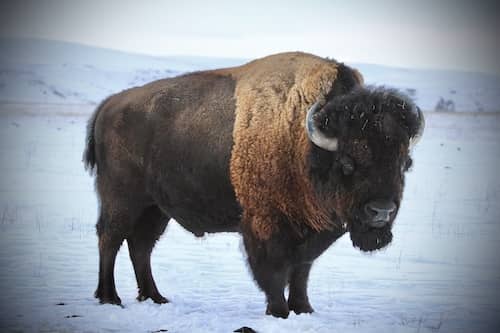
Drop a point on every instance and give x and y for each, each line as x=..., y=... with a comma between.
x=421, y=125
x=315, y=134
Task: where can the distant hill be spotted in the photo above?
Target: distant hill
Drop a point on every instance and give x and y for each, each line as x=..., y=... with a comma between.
x=440, y=90
x=44, y=71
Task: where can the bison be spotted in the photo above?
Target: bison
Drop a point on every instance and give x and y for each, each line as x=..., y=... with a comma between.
x=290, y=150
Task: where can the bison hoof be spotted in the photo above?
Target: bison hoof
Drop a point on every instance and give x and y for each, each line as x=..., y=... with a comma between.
x=158, y=299
x=111, y=298
x=300, y=307
x=278, y=310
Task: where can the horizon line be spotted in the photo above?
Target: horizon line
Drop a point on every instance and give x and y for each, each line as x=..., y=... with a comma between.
x=172, y=55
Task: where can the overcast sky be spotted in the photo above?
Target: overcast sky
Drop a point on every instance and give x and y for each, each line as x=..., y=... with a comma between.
x=456, y=34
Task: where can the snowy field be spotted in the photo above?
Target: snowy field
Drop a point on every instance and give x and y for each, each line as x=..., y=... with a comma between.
x=441, y=273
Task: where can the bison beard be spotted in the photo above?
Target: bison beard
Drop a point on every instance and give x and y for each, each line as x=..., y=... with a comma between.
x=369, y=239
x=227, y=151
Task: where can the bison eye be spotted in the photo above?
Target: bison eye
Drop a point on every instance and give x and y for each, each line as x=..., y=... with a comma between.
x=407, y=165
x=347, y=165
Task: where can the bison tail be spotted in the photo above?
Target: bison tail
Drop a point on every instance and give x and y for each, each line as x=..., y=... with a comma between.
x=89, y=156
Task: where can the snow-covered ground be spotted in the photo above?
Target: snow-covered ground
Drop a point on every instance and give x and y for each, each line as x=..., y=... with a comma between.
x=441, y=273
x=42, y=71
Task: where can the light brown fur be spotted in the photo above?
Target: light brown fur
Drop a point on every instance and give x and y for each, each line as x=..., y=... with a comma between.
x=268, y=168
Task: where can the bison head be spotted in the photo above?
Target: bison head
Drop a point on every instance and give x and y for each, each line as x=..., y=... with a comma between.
x=359, y=152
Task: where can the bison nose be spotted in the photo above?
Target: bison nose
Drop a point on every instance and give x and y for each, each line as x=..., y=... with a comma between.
x=379, y=212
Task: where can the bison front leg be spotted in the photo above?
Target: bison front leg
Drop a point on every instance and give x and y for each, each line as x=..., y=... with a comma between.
x=270, y=266
x=311, y=247
x=297, y=299
x=273, y=283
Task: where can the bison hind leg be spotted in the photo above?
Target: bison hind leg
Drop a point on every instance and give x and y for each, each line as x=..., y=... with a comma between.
x=147, y=230
x=109, y=244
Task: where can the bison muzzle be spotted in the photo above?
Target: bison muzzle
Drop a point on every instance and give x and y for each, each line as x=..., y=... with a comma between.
x=291, y=150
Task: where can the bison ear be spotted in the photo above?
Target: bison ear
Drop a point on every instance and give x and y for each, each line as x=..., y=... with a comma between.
x=420, y=128
x=315, y=134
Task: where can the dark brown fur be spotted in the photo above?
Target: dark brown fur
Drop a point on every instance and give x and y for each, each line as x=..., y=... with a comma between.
x=226, y=150
x=140, y=143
